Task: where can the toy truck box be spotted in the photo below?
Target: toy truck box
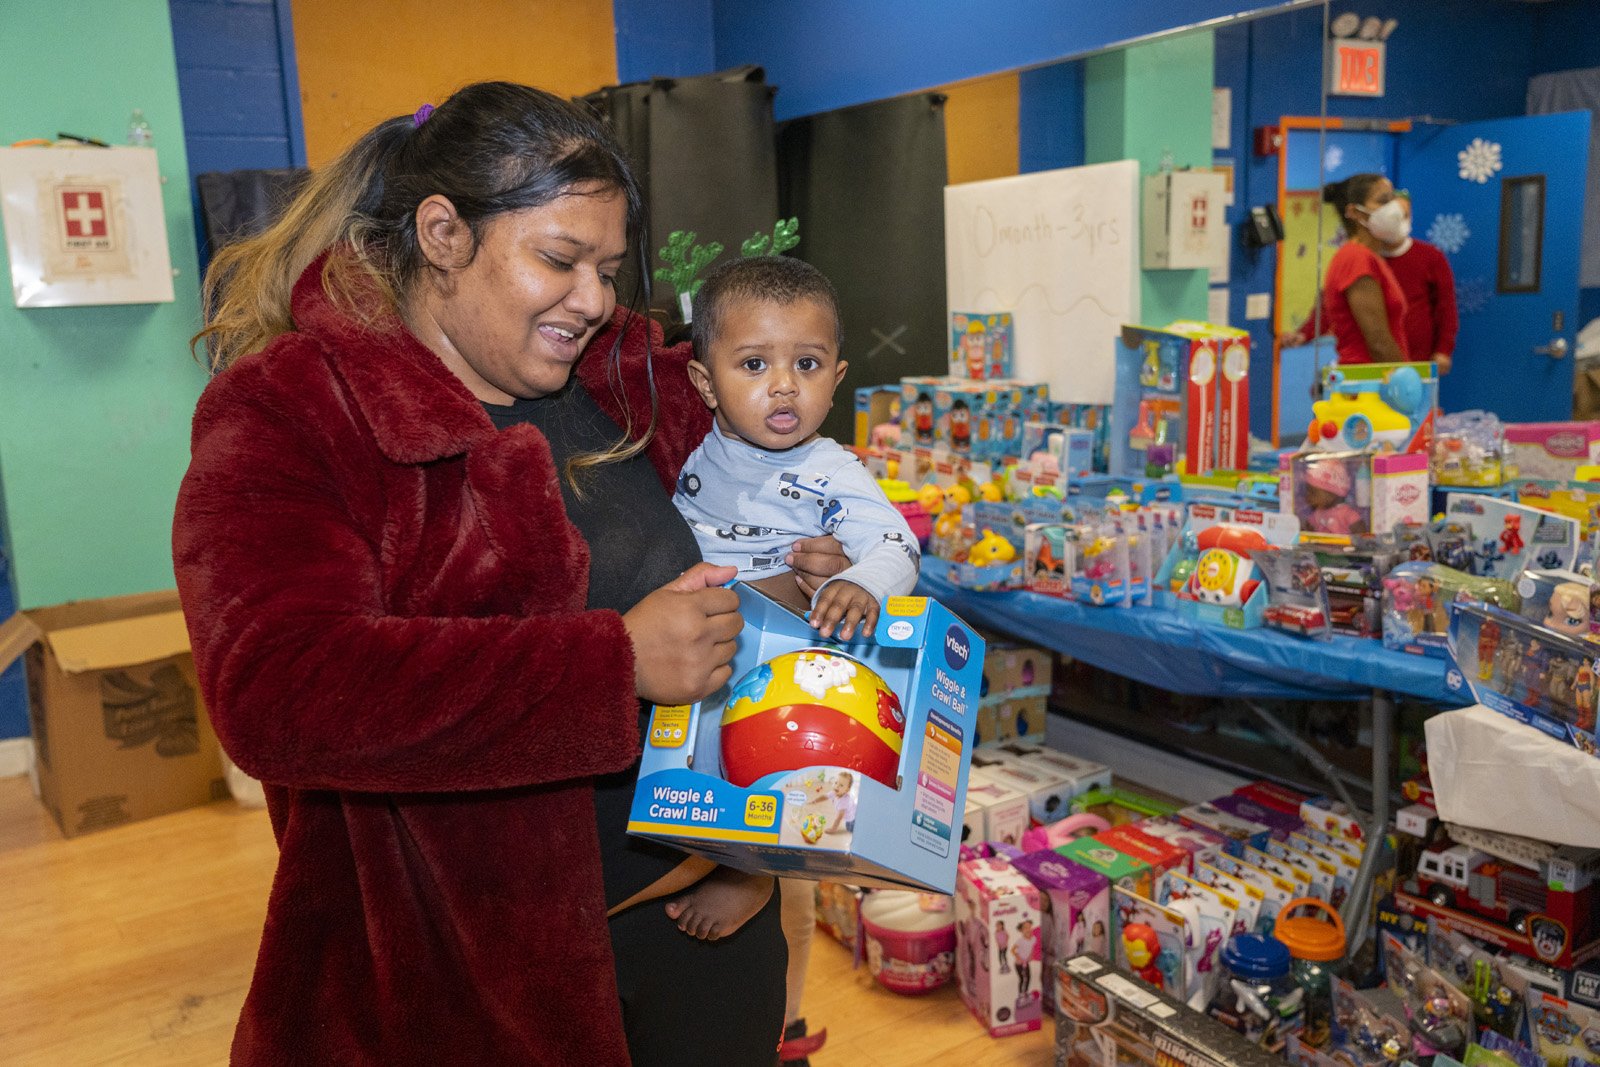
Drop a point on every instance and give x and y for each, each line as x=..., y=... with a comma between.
x=1107, y=1019
x=891, y=819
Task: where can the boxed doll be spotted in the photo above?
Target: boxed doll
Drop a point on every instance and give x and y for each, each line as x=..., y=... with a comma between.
x=1106, y=1019
x=867, y=792
x=980, y=345
x=1559, y=600
x=1416, y=604
x=1345, y=493
x=1077, y=907
x=999, y=921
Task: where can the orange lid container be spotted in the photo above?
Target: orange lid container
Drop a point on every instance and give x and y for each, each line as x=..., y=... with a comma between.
x=1308, y=937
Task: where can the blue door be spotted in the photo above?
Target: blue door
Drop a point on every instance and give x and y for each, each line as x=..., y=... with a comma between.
x=1504, y=200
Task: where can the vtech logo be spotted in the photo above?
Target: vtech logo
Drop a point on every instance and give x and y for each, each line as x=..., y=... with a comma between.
x=957, y=647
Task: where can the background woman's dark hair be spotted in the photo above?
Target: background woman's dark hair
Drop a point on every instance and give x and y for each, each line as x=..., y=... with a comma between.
x=1352, y=190
x=491, y=148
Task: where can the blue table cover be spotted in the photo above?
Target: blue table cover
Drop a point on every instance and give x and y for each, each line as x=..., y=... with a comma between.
x=1156, y=646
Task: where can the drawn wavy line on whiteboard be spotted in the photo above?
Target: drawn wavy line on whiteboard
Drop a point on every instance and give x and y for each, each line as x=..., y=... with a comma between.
x=1085, y=298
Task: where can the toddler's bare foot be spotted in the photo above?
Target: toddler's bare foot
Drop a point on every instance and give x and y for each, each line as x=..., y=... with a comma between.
x=720, y=903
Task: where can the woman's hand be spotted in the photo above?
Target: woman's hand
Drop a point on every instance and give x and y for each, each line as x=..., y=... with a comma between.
x=684, y=635
x=814, y=560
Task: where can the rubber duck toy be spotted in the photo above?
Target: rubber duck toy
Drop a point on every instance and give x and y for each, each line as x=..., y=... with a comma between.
x=931, y=497
x=991, y=548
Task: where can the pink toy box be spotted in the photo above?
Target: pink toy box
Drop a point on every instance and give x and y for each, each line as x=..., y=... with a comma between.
x=999, y=925
x=1077, y=908
x=1346, y=493
x=1553, y=450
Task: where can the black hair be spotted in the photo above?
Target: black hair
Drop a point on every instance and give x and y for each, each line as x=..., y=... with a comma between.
x=1352, y=190
x=776, y=279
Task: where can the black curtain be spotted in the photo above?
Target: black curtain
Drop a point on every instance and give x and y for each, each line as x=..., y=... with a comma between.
x=703, y=148
x=867, y=184
x=241, y=203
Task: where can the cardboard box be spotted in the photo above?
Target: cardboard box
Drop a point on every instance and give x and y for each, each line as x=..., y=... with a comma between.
x=119, y=729
x=994, y=812
x=1553, y=450
x=999, y=935
x=903, y=835
x=1104, y=1019
x=1077, y=908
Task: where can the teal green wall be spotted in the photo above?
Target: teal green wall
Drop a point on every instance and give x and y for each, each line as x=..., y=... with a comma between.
x=95, y=401
x=1140, y=102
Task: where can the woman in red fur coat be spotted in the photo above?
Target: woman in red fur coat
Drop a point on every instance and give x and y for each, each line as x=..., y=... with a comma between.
x=431, y=570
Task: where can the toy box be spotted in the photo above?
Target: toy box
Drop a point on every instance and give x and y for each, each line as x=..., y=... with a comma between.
x=1536, y=675
x=1181, y=400
x=876, y=405
x=1297, y=599
x=999, y=921
x=1416, y=604
x=1049, y=556
x=1237, y=831
x=1248, y=810
x=1212, y=916
x=902, y=831
x=1559, y=600
x=1012, y=669
x=1344, y=493
x=1276, y=891
x=916, y=409
x=1272, y=795
x=1100, y=571
x=1210, y=568
x=1503, y=539
x=994, y=812
x=1352, y=575
x=1012, y=719
x=956, y=407
x=980, y=345
x=1069, y=450
x=1201, y=844
x=1085, y=775
x=1076, y=903
x=1119, y=868
x=1162, y=855
x=1151, y=942
x=1552, y=450
x=1468, y=449
x=839, y=912
x=1049, y=789
x=1364, y=400
x=1118, y=806
x=1563, y=1031
x=1106, y=1019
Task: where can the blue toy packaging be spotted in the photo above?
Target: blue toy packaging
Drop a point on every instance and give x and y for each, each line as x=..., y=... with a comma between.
x=1500, y=539
x=980, y=345
x=898, y=714
x=1210, y=575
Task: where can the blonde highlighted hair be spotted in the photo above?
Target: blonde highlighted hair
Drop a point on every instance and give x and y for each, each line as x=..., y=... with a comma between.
x=491, y=148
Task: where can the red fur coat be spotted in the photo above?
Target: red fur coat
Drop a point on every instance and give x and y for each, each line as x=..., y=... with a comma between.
x=386, y=603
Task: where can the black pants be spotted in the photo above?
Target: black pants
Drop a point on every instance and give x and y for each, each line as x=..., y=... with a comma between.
x=700, y=1003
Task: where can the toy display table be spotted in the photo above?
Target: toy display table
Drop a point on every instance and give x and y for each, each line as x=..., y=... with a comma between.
x=1156, y=646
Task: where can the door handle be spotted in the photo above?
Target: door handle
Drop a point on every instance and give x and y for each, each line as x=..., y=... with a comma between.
x=1556, y=349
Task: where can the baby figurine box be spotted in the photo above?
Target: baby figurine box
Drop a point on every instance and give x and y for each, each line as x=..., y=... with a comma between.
x=823, y=760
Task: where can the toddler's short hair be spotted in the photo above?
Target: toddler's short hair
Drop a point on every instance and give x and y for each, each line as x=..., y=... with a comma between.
x=778, y=279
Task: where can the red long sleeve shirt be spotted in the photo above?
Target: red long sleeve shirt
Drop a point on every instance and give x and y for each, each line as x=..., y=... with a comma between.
x=1429, y=287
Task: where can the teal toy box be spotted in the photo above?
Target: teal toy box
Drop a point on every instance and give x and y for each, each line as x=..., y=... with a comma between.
x=890, y=722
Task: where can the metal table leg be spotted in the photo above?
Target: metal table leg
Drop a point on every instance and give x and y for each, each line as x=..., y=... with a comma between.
x=1358, y=906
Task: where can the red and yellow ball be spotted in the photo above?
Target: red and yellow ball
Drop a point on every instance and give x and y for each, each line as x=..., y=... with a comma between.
x=814, y=707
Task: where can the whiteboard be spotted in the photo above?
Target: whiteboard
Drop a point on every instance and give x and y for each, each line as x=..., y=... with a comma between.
x=1059, y=249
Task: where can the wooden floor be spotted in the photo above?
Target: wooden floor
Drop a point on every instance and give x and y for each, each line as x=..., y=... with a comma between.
x=134, y=946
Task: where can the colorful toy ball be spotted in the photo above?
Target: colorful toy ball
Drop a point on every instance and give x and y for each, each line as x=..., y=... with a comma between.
x=812, y=827
x=814, y=707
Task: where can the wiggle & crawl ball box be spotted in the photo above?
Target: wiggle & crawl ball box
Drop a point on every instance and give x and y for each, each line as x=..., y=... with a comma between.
x=864, y=814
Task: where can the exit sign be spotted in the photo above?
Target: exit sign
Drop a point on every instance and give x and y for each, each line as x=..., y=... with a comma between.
x=1355, y=68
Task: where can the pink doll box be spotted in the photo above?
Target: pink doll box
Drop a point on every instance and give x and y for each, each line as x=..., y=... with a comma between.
x=999, y=930
x=1077, y=908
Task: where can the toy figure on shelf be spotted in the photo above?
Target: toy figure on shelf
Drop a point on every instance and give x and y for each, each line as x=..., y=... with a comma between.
x=1429, y=610
x=1511, y=535
x=991, y=548
x=1568, y=610
x=1488, y=641
x=922, y=419
x=1328, y=488
x=1583, y=696
x=1141, y=948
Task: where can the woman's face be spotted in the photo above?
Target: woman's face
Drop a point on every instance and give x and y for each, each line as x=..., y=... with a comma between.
x=512, y=323
x=1379, y=194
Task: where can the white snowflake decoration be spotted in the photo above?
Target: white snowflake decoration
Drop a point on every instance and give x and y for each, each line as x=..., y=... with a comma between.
x=1479, y=160
x=1332, y=158
x=1472, y=295
x=1449, y=232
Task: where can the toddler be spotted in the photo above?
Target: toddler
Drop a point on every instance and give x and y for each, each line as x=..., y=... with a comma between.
x=844, y=804
x=766, y=343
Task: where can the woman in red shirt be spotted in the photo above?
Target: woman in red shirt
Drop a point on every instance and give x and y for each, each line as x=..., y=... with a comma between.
x=1365, y=307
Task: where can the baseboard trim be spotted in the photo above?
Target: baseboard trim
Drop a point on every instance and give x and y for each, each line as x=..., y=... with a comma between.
x=16, y=756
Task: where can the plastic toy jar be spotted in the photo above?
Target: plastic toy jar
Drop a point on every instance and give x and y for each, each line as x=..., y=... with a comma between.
x=910, y=940
x=1257, y=995
x=1316, y=945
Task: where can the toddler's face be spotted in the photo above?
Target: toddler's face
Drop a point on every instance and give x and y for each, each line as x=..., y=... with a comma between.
x=771, y=371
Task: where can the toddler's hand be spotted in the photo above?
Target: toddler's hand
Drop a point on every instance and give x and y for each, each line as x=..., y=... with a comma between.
x=844, y=605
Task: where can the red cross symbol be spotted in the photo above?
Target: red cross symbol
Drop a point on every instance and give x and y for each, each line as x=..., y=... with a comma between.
x=85, y=212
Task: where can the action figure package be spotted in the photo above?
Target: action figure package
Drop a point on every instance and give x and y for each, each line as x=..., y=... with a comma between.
x=1503, y=539
x=1536, y=675
x=1416, y=604
x=1560, y=600
x=1441, y=1015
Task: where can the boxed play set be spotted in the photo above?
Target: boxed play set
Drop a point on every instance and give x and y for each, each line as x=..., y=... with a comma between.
x=1077, y=908
x=1182, y=400
x=1209, y=574
x=1000, y=920
x=119, y=729
x=1551, y=450
x=980, y=345
x=819, y=760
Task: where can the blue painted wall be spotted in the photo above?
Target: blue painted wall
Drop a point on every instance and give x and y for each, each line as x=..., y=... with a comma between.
x=1050, y=117
x=663, y=38
x=238, y=86
x=828, y=54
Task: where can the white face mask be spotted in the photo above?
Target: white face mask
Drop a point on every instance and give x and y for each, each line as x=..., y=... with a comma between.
x=1389, y=222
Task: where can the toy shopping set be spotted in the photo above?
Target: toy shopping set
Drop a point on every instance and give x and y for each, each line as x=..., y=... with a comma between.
x=823, y=760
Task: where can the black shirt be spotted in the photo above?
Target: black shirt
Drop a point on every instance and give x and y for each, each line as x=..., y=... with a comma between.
x=637, y=543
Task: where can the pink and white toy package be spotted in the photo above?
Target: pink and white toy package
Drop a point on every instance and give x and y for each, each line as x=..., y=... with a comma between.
x=1077, y=907
x=1552, y=450
x=999, y=928
x=994, y=812
x=1347, y=493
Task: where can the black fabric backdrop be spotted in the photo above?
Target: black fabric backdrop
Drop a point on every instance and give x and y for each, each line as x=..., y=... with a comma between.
x=867, y=184
x=704, y=150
